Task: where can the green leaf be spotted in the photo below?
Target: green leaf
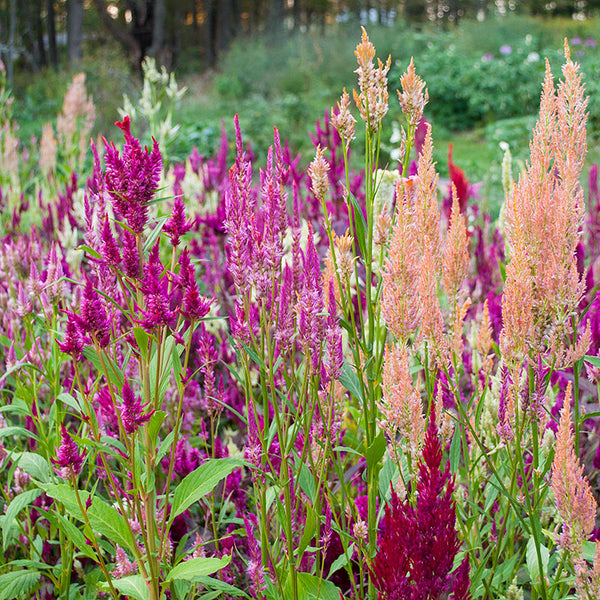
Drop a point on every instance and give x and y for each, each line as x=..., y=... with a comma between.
x=201, y=482
x=103, y=517
x=307, y=482
x=34, y=465
x=361, y=229
x=455, y=448
x=154, y=425
x=74, y=534
x=114, y=373
x=376, y=450
x=593, y=360
x=350, y=381
x=388, y=473
x=18, y=584
x=220, y=586
x=165, y=446
x=532, y=560
x=6, y=431
x=340, y=561
x=191, y=569
x=133, y=586
x=70, y=401
x=313, y=588
x=14, y=508
x=142, y=339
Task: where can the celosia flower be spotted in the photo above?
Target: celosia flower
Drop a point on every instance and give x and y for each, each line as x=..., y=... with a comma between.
x=412, y=98
x=93, y=319
x=132, y=410
x=156, y=312
x=68, y=458
x=73, y=343
x=456, y=251
x=543, y=225
x=131, y=256
x=574, y=499
x=108, y=246
x=177, y=226
x=401, y=403
x=132, y=178
x=317, y=171
x=372, y=102
x=342, y=119
x=123, y=566
x=417, y=545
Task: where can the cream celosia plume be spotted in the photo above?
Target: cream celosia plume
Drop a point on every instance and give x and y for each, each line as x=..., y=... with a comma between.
x=544, y=218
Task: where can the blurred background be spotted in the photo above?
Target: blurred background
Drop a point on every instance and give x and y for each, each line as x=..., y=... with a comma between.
x=284, y=63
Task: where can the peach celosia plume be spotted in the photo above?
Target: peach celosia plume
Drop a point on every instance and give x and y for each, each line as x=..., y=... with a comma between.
x=401, y=404
x=574, y=500
x=545, y=217
x=372, y=101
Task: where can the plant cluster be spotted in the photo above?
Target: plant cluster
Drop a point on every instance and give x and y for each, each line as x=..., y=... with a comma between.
x=298, y=384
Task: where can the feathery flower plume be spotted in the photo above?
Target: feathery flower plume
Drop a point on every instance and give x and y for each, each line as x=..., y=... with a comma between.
x=417, y=545
x=427, y=213
x=109, y=248
x=73, y=343
x=517, y=303
x=545, y=217
x=177, y=226
x=132, y=410
x=412, y=98
x=123, y=566
x=154, y=286
x=93, y=319
x=574, y=500
x=317, y=172
x=400, y=272
x=237, y=223
x=484, y=341
x=456, y=251
x=132, y=177
x=429, y=311
x=68, y=460
x=372, y=102
x=401, y=404
x=342, y=120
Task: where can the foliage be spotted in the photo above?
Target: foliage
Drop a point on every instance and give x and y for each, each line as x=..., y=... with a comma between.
x=219, y=382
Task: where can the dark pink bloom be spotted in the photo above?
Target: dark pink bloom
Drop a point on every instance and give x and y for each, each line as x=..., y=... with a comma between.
x=417, y=545
x=155, y=288
x=73, y=343
x=68, y=458
x=131, y=257
x=108, y=246
x=132, y=411
x=177, y=226
x=93, y=319
x=132, y=178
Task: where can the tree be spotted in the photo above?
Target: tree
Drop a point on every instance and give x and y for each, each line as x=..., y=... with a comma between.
x=74, y=32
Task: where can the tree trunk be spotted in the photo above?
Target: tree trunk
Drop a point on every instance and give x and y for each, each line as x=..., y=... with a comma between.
x=74, y=32
x=12, y=26
x=39, y=35
x=120, y=34
x=158, y=29
x=211, y=33
x=51, y=29
x=224, y=22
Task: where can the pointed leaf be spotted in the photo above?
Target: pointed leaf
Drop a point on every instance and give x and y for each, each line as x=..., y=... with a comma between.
x=191, y=569
x=18, y=584
x=14, y=508
x=133, y=586
x=201, y=482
